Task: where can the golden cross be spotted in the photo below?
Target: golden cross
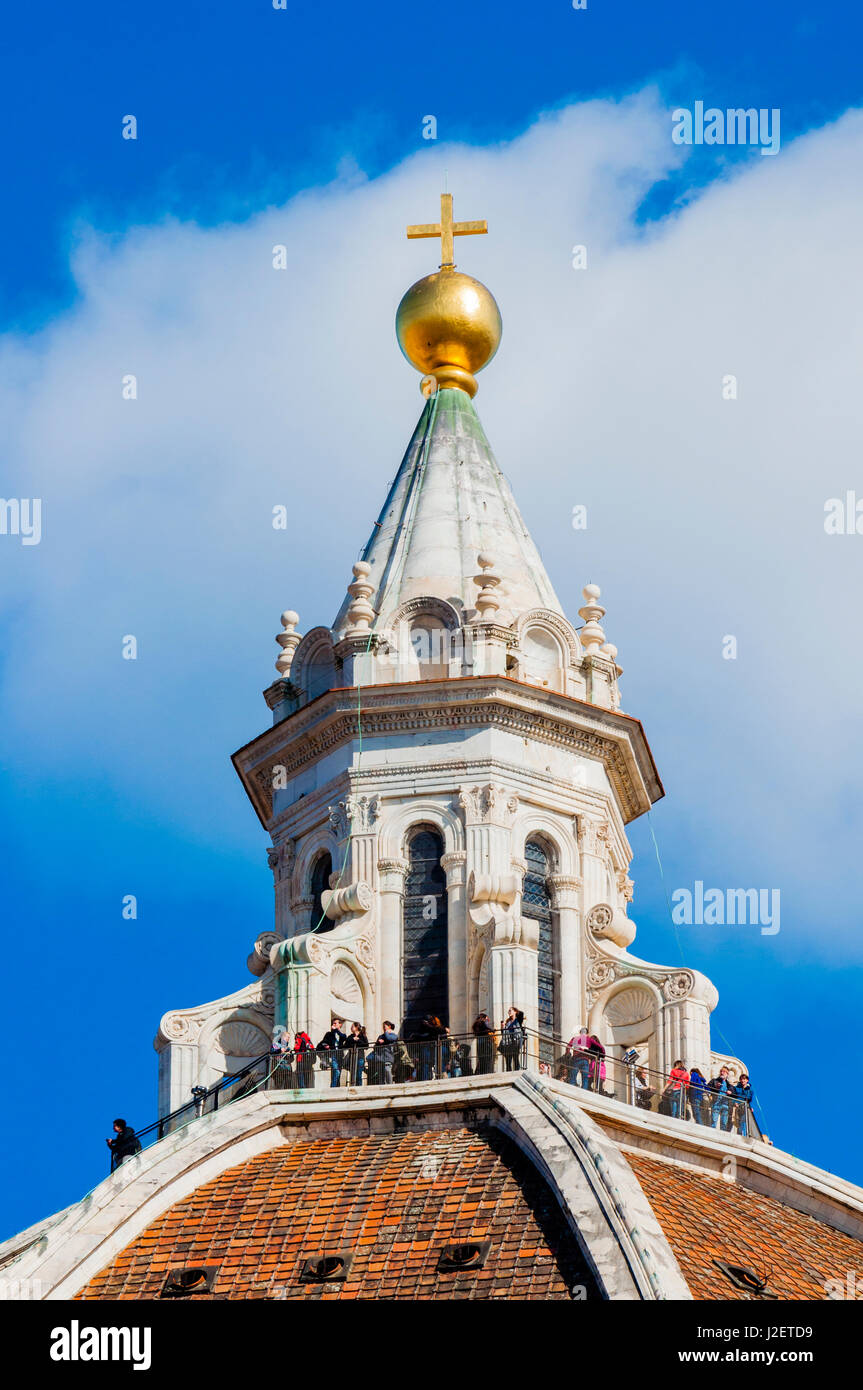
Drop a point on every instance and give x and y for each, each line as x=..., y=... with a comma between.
x=446, y=229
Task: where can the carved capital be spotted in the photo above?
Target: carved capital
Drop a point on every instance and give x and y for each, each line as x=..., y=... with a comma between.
x=281, y=860
x=489, y=804
x=392, y=874
x=363, y=812
x=454, y=867
x=625, y=885
x=340, y=819
x=594, y=836
x=566, y=888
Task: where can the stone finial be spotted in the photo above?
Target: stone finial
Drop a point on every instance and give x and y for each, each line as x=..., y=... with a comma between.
x=288, y=640
x=360, y=614
x=486, y=600
x=610, y=650
x=592, y=635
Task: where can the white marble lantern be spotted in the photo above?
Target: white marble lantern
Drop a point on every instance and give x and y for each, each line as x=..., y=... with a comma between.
x=447, y=784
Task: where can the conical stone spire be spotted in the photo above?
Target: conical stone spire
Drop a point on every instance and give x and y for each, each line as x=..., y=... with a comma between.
x=448, y=503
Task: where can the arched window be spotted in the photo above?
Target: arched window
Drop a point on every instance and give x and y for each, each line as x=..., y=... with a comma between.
x=424, y=932
x=543, y=661
x=429, y=642
x=323, y=867
x=536, y=903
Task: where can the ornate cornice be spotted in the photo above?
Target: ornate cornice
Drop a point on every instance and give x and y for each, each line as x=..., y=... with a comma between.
x=561, y=721
x=603, y=971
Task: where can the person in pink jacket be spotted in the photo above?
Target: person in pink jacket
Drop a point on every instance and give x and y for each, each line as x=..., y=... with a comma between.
x=578, y=1056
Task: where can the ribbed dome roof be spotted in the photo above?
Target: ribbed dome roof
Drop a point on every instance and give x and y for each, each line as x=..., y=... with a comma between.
x=449, y=501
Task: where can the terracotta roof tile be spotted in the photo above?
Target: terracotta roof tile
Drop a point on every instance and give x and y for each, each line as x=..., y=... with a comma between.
x=365, y=1195
x=707, y=1218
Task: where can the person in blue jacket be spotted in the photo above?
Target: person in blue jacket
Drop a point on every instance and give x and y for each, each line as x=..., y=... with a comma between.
x=698, y=1102
x=721, y=1088
x=743, y=1100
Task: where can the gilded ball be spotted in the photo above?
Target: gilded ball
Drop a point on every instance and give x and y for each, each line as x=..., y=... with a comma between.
x=448, y=325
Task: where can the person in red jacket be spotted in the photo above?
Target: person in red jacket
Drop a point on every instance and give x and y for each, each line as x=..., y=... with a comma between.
x=304, y=1055
x=678, y=1080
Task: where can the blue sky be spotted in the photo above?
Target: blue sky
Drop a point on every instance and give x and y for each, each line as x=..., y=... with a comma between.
x=117, y=776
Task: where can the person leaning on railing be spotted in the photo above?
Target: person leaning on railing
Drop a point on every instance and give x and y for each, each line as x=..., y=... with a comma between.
x=451, y=1054
x=332, y=1042
x=355, y=1053
x=384, y=1054
x=676, y=1090
x=742, y=1102
x=484, y=1034
x=596, y=1063
x=304, y=1057
x=404, y=1066
x=124, y=1144
x=699, y=1103
x=578, y=1053
x=428, y=1035
x=644, y=1092
x=512, y=1039
x=721, y=1088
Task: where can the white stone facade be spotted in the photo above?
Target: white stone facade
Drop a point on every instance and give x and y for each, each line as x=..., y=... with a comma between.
x=451, y=694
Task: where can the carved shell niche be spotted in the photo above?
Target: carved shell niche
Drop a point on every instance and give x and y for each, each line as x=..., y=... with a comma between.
x=630, y=1006
x=240, y=1039
x=344, y=984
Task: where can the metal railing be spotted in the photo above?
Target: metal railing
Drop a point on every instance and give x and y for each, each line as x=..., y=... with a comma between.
x=407, y=1059
x=256, y=1075
x=450, y=1057
x=648, y=1089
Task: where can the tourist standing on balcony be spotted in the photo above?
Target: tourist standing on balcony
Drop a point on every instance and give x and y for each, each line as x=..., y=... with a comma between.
x=304, y=1055
x=355, y=1053
x=334, y=1040
x=512, y=1038
x=644, y=1092
x=385, y=1052
x=678, y=1081
x=722, y=1088
x=484, y=1034
x=596, y=1062
x=451, y=1060
x=428, y=1035
x=742, y=1102
x=124, y=1144
x=578, y=1050
x=698, y=1101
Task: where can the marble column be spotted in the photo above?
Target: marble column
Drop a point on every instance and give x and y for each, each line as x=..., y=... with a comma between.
x=391, y=894
x=570, y=1001
x=457, y=937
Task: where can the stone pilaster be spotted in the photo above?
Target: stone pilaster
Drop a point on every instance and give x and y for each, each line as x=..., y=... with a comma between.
x=391, y=893
x=281, y=861
x=457, y=938
x=593, y=838
x=493, y=899
x=571, y=1003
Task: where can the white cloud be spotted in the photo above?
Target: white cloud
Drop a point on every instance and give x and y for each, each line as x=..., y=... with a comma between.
x=259, y=387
